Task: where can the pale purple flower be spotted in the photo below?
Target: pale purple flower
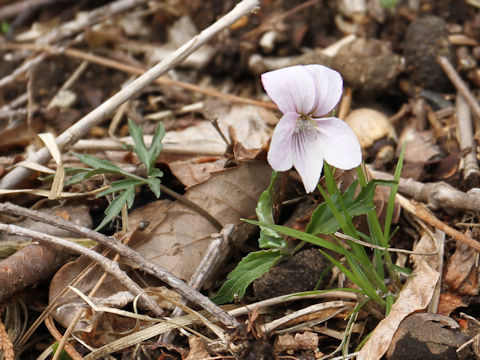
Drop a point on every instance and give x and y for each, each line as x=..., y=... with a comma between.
x=302, y=138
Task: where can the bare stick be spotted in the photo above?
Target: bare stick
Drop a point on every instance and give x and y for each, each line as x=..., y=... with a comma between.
x=22, y=69
x=100, y=60
x=420, y=211
x=216, y=253
x=471, y=172
x=108, y=265
x=144, y=264
x=73, y=27
x=17, y=7
x=438, y=195
x=70, y=28
x=79, y=129
x=459, y=84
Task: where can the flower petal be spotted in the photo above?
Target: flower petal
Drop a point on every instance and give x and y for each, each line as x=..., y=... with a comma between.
x=291, y=88
x=339, y=143
x=279, y=155
x=307, y=156
x=328, y=89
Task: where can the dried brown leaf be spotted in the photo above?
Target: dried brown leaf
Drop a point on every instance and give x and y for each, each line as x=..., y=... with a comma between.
x=180, y=241
x=459, y=266
x=416, y=295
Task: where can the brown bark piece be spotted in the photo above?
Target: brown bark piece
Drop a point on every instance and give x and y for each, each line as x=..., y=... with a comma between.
x=27, y=267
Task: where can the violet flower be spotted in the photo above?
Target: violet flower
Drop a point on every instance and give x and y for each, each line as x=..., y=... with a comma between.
x=302, y=138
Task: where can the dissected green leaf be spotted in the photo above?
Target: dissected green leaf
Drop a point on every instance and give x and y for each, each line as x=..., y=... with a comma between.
x=120, y=185
x=116, y=205
x=126, y=187
x=156, y=146
x=154, y=172
x=136, y=132
x=99, y=164
x=154, y=185
x=251, y=267
x=76, y=178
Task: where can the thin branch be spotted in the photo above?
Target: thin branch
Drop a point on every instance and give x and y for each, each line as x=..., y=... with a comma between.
x=70, y=28
x=101, y=13
x=17, y=7
x=438, y=195
x=420, y=211
x=108, y=265
x=471, y=172
x=95, y=117
x=459, y=84
x=144, y=264
x=100, y=60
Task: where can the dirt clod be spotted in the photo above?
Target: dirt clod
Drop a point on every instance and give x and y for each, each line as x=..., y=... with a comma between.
x=293, y=274
x=427, y=39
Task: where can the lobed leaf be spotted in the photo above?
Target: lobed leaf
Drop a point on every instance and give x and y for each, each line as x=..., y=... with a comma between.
x=115, y=207
x=156, y=146
x=120, y=185
x=154, y=185
x=136, y=132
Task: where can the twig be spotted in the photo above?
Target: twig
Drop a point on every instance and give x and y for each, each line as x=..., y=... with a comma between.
x=70, y=28
x=108, y=265
x=186, y=320
x=168, y=148
x=471, y=172
x=438, y=195
x=459, y=85
x=95, y=59
x=145, y=264
x=439, y=238
x=57, y=336
x=70, y=81
x=22, y=69
x=101, y=13
x=216, y=253
x=17, y=7
x=64, y=340
x=79, y=129
x=30, y=99
x=422, y=213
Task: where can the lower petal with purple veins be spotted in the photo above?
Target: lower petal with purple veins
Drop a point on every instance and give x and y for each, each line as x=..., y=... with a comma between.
x=307, y=156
